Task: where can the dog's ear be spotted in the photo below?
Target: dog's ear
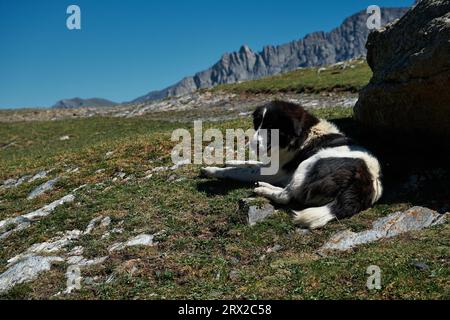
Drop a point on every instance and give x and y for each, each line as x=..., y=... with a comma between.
x=302, y=120
x=258, y=117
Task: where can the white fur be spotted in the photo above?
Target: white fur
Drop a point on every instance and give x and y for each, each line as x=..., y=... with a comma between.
x=341, y=152
x=314, y=218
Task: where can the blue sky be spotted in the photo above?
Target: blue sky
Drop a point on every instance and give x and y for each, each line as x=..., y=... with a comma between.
x=128, y=48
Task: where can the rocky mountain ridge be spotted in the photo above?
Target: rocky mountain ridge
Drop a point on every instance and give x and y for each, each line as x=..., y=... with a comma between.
x=316, y=49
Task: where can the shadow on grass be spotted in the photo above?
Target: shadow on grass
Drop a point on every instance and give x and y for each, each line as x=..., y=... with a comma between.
x=416, y=169
x=221, y=187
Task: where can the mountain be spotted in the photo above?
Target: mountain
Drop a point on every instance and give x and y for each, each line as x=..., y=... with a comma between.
x=319, y=48
x=83, y=103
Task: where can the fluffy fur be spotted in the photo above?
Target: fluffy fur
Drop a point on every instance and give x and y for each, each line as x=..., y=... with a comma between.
x=324, y=175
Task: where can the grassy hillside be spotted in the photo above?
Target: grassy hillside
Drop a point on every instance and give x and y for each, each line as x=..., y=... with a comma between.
x=205, y=247
x=351, y=76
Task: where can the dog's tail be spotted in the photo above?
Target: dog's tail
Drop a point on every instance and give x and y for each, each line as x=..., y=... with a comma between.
x=314, y=218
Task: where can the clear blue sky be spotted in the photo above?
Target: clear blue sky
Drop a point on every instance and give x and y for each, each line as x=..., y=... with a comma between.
x=129, y=47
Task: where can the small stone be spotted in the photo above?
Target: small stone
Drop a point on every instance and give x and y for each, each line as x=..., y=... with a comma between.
x=43, y=188
x=140, y=240
x=420, y=265
x=64, y=138
x=121, y=175
x=234, y=275
x=180, y=164
x=37, y=176
x=257, y=214
x=105, y=222
x=303, y=232
x=109, y=154
x=148, y=177
x=274, y=249
x=92, y=224
x=77, y=251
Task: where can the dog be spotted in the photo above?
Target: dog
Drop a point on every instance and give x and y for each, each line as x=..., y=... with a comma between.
x=322, y=173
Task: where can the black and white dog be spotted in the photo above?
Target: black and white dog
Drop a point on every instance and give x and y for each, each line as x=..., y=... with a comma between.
x=323, y=174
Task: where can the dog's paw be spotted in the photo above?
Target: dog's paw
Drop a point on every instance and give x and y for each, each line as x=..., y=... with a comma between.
x=264, y=184
x=260, y=191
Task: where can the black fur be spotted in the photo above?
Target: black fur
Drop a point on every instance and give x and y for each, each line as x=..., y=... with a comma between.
x=344, y=182
x=326, y=141
x=288, y=118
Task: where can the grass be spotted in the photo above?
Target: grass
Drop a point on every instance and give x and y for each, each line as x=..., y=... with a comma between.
x=310, y=80
x=206, y=238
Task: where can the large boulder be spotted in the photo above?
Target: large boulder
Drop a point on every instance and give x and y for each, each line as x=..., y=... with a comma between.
x=409, y=93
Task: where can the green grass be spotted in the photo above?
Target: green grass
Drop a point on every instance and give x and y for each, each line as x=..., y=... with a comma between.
x=310, y=80
x=206, y=235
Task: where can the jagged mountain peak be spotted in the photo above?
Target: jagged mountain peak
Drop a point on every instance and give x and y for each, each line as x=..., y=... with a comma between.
x=318, y=48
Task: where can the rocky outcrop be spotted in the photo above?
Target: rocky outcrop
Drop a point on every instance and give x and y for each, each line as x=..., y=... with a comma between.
x=316, y=49
x=83, y=103
x=416, y=218
x=409, y=93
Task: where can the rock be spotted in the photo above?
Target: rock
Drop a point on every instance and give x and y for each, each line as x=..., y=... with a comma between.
x=416, y=218
x=77, y=251
x=22, y=222
x=274, y=249
x=159, y=169
x=92, y=224
x=256, y=213
x=303, y=232
x=140, y=240
x=25, y=271
x=148, y=176
x=234, y=275
x=420, y=265
x=102, y=222
x=411, y=75
x=113, y=231
x=14, y=183
x=74, y=170
x=52, y=246
x=64, y=138
x=105, y=222
x=39, y=175
x=45, y=211
x=180, y=164
x=80, y=261
x=43, y=188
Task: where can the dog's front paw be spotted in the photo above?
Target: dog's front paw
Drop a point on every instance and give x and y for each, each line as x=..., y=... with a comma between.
x=260, y=191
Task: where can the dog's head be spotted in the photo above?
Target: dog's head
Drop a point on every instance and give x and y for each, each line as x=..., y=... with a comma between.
x=292, y=121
